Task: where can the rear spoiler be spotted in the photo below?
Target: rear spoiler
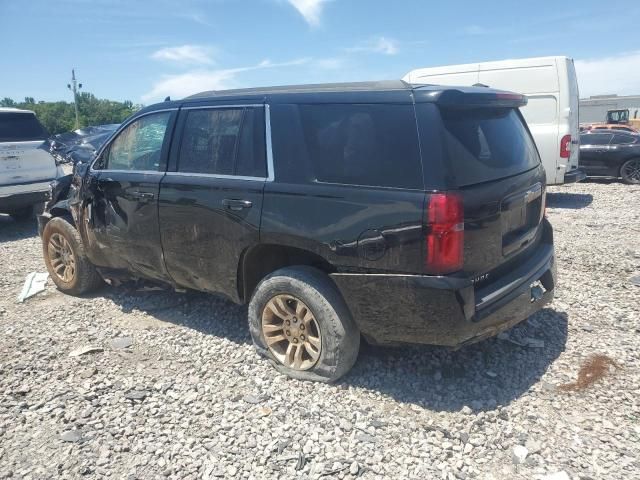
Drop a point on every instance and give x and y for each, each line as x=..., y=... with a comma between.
x=470, y=97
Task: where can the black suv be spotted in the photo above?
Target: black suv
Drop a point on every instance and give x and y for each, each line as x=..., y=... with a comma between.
x=394, y=212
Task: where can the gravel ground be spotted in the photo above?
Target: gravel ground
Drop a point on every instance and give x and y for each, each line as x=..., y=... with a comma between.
x=175, y=388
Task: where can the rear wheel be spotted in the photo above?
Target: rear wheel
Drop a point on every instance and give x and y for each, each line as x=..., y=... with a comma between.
x=630, y=171
x=299, y=320
x=64, y=256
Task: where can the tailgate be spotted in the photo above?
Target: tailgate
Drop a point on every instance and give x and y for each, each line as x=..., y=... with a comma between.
x=501, y=219
x=25, y=162
x=24, y=157
x=497, y=169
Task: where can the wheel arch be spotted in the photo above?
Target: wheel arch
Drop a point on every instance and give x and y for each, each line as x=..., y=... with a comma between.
x=63, y=211
x=625, y=161
x=259, y=261
x=60, y=209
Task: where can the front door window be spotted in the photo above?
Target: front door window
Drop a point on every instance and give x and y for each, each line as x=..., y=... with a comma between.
x=139, y=146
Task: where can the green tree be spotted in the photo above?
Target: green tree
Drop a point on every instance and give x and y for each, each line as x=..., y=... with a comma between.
x=58, y=117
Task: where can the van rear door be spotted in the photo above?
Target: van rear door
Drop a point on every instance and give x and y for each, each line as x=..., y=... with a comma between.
x=573, y=114
x=491, y=160
x=22, y=160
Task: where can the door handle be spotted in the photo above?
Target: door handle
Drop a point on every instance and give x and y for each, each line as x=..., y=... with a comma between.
x=233, y=204
x=143, y=196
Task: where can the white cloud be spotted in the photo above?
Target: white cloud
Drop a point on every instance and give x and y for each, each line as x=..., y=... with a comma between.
x=186, y=54
x=311, y=10
x=331, y=63
x=382, y=45
x=615, y=74
x=197, y=18
x=189, y=83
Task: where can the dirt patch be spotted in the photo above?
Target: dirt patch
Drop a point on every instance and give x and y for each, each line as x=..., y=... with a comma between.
x=593, y=369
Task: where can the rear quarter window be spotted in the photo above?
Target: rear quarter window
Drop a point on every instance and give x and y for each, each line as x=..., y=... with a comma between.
x=363, y=144
x=20, y=127
x=622, y=139
x=486, y=144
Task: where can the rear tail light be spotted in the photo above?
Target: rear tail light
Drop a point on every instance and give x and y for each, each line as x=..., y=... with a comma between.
x=565, y=146
x=445, y=233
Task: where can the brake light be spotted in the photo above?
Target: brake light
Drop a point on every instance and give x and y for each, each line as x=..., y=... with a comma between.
x=510, y=96
x=565, y=146
x=445, y=233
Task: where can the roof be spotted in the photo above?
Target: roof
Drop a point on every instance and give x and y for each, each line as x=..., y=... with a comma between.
x=379, y=86
x=15, y=110
x=389, y=91
x=392, y=91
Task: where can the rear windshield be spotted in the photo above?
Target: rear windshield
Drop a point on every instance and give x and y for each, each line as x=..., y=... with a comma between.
x=20, y=127
x=487, y=144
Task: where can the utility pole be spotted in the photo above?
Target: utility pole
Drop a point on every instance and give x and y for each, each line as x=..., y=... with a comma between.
x=74, y=86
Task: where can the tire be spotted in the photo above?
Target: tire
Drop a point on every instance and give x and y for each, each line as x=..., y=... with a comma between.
x=23, y=214
x=84, y=278
x=339, y=337
x=630, y=171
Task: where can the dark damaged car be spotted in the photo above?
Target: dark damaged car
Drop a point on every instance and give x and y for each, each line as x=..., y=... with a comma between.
x=80, y=145
x=383, y=211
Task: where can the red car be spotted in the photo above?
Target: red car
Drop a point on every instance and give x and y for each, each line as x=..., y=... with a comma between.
x=608, y=126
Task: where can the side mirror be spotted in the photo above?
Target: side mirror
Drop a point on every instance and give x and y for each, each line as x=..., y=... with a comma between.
x=98, y=159
x=80, y=168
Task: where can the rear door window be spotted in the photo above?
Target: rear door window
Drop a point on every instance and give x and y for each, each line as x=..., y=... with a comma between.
x=224, y=141
x=596, y=139
x=487, y=144
x=20, y=127
x=363, y=144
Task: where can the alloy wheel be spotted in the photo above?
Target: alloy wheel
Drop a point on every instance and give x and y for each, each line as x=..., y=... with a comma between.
x=63, y=262
x=291, y=332
x=631, y=171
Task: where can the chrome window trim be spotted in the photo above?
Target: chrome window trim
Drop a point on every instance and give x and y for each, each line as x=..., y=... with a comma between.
x=145, y=172
x=216, y=175
x=268, y=144
x=210, y=107
x=117, y=132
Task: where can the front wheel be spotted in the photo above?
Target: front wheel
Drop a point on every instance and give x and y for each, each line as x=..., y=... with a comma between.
x=630, y=171
x=64, y=256
x=299, y=320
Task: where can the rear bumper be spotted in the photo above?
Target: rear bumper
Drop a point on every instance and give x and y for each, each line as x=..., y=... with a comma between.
x=574, y=176
x=392, y=309
x=15, y=197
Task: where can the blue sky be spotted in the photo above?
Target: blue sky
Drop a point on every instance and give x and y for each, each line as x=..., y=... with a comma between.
x=144, y=50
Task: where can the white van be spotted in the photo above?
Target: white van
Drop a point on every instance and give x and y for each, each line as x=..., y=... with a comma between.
x=26, y=166
x=551, y=86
